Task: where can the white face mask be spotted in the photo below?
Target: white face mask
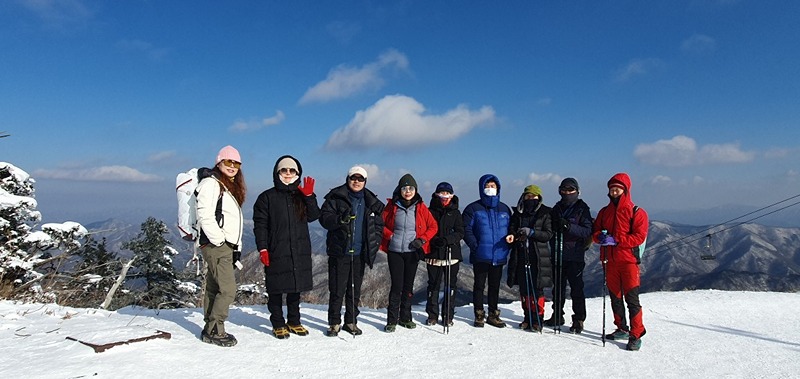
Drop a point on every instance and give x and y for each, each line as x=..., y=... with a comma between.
x=292, y=180
x=490, y=191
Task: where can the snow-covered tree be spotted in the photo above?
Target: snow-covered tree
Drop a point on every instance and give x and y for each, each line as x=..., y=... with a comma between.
x=154, y=264
x=24, y=251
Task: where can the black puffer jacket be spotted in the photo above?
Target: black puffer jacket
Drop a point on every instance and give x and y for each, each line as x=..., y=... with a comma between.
x=280, y=216
x=451, y=228
x=337, y=203
x=578, y=238
x=538, y=248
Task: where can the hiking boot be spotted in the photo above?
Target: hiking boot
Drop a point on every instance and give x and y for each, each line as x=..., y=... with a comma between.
x=352, y=329
x=480, y=318
x=431, y=321
x=524, y=325
x=224, y=340
x=553, y=322
x=618, y=334
x=333, y=331
x=634, y=344
x=577, y=326
x=300, y=330
x=281, y=332
x=408, y=324
x=494, y=320
x=389, y=328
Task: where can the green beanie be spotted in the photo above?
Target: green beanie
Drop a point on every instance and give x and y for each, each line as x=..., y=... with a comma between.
x=533, y=189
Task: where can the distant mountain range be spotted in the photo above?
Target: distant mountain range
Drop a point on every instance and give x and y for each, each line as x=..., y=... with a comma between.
x=749, y=257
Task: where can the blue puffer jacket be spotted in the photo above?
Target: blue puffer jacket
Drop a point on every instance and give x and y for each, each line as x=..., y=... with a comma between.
x=486, y=225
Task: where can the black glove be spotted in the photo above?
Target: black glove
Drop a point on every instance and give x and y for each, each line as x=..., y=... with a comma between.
x=523, y=232
x=416, y=244
x=438, y=242
x=237, y=256
x=346, y=217
x=562, y=225
x=420, y=255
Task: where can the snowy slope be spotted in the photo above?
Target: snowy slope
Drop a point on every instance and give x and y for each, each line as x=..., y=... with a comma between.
x=690, y=334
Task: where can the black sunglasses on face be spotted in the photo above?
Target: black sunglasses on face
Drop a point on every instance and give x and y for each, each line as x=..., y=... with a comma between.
x=357, y=178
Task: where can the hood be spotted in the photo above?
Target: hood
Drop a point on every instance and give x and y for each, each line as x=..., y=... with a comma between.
x=625, y=180
x=276, y=180
x=489, y=201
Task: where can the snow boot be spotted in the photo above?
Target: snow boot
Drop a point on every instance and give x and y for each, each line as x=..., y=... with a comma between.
x=431, y=321
x=634, y=344
x=554, y=321
x=224, y=340
x=389, y=328
x=618, y=334
x=577, y=327
x=300, y=330
x=352, y=329
x=333, y=331
x=480, y=318
x=281, y=332
x=407, y=324
x=494, y=320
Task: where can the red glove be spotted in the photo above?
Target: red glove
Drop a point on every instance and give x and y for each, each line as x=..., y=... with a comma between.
x=308, y=186
x=264, y=257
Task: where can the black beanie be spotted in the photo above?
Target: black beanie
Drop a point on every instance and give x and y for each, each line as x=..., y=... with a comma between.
x=407, y=180
x=569, y=182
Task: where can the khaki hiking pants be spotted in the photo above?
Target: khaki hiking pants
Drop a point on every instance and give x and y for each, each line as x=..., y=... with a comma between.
x=220, y=287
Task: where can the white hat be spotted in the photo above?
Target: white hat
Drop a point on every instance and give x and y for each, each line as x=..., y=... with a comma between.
x=357, y=170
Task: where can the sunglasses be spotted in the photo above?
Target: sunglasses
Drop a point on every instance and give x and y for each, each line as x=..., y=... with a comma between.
x=286, y=170
x=407, y=189
x=357, y=178
x=231, y=163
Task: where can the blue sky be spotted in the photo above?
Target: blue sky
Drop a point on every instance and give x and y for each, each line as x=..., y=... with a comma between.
x=697, y=100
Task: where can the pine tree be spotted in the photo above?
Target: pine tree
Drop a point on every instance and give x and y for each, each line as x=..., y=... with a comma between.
x=154, y=264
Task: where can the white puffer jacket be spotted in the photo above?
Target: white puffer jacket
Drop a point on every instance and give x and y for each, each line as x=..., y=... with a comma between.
x=208, y=191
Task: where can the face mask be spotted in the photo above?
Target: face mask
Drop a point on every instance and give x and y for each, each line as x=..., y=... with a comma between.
x=490, y=191
x=292, y=180
x=530, y=205
x=569, y=198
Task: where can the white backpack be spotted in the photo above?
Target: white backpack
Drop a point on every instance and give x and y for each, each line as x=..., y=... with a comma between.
x=185, y=187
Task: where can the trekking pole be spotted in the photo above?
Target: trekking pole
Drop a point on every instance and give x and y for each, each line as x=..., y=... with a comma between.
x=603, y=262
x=557, y=308
x=352, y=271
x=447, y=298
x=528, y=286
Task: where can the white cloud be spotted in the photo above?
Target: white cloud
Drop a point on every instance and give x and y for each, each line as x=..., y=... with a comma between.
x=98, y=174
x=681, y=151
x=59, y=11
x=661, y=180
x=344, y=81
x=162, y=156
x=538, y=179
x=699, y=44
x=155, y=54
x=638, y=67
x=399, y=121
x=243, y=126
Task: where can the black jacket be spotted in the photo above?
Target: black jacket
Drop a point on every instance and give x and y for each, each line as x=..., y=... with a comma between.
x=451, y=229
x=536, y=251
x=280, y=216
x=578, y=238
x=336, y=205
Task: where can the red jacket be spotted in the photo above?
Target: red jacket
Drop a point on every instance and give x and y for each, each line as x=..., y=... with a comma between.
x=425, y=224
x=616, y=219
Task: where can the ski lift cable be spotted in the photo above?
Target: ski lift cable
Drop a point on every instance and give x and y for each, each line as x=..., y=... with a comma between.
x=665, y=247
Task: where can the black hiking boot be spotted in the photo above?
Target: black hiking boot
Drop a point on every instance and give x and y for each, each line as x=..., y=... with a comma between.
x=352, y=329
x=552, y=321
x=333, y=331
x=224, y=340
x=577, y=326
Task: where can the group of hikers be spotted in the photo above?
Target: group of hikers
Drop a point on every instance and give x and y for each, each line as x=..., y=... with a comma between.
x=541, y=246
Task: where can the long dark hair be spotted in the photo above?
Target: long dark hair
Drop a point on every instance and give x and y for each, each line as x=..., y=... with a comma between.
x=235, y=185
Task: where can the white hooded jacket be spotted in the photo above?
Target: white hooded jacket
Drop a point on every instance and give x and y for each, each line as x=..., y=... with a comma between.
x=208, y=191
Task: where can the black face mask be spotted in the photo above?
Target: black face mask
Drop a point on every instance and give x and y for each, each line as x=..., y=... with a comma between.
x=614, y=200
x=530, y=205
x=569, y=198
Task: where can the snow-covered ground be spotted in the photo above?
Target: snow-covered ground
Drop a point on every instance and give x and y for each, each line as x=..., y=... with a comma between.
x=698, y=334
